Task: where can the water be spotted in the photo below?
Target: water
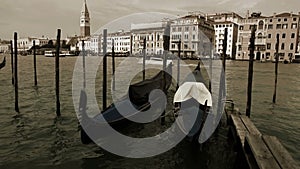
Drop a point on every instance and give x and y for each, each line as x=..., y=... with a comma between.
x=35, y=138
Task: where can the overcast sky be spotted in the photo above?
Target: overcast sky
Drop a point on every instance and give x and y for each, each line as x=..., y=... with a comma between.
x=43, y=17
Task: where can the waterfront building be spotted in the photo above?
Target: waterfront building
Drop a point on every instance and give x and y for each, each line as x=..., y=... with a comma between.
x=196, y=33
x=229, y=21
x=96, y=44
x=4, y=48
x=244, y=33
x=286, y=25
x=122, y=42
x=153, y=32
x=85, y=21
x=25, y=44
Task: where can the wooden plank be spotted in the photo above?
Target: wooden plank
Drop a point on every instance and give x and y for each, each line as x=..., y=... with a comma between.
x=250, y=126
x=261, y=153
x=241, y=130
x=238, y=124
x=281, y=155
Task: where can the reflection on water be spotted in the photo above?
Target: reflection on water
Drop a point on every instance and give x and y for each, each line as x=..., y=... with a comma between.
x=35, y=138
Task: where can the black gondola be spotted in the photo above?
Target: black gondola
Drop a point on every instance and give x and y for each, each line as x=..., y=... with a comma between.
x=3, y=63
x=138, y=95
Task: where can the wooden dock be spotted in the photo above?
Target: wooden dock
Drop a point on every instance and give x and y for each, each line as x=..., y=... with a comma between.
x=257, y=150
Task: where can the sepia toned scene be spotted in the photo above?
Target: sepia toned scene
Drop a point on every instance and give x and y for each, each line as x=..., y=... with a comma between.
x=150, y=84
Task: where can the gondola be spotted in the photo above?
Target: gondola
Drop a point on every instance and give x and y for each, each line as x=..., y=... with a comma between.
x=138, y=96
x=192, y=102
x=3, y=63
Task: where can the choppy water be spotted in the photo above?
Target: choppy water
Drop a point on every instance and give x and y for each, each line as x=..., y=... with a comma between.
x=35, y=138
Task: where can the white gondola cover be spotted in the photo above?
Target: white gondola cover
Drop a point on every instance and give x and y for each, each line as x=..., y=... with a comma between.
x=195, y=90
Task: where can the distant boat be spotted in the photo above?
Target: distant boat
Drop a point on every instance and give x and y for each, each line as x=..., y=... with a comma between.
x=154, y=61
x=51, y=53
x=3, y=63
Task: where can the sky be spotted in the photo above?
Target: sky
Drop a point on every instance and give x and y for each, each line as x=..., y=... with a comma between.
x=36, y=18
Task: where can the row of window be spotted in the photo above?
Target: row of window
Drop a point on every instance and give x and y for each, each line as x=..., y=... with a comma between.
x=186, y=28
x=282, y=19
x=223, y=26
x=283, y=36
x=148, y=45
x=282, y=47
x=148, y=37
x=270, y=26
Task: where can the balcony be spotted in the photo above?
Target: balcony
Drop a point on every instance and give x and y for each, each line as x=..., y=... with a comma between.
x=260, y=41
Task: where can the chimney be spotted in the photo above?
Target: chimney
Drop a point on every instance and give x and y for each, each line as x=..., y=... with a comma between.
x=274, y=14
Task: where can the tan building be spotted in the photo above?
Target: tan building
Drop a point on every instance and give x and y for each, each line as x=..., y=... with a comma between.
x=196, y=33
x=286, y=25
x=244, y=34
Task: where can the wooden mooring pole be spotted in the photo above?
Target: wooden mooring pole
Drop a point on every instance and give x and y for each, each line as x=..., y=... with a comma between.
x=83, y=64
x=250, y=72
x=225, y=48
x=276, y=68
x=144, y=59
x=223, y=76
x=104, y=91
x=16, y=73
x=113, y=65
x=12, y=62
x=57, y=73
x=178, y=64
x=34, y=64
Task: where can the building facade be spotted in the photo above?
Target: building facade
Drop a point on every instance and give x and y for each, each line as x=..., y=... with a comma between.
x=122, y=42
x=245, y=25
x=229, y=21
x=196, y=33
x=153, y=33
x=286, y=25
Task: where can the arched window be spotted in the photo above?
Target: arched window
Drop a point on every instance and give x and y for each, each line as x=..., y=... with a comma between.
x=261, y=25
x=259, y=36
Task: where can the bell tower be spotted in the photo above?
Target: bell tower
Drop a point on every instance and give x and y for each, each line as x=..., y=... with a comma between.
x=85, y=21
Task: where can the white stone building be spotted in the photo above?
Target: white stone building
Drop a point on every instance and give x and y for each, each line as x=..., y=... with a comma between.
x=229, y=21
x=153, y=32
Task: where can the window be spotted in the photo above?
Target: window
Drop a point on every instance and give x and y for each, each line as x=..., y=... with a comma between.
x=283, y=35
x=194, y=37
x=294, y=19
x=278, y=26
x=174, y=29
x=282, y=46
x=292, y=46
x=270, y=26
x=279, y=19
x=285, y=19
x=261, y=25
x=179, y=29
x=269, y=36
x=241, y=27
x=268, y=45
x=284, y=26
x=293, y=35
x=271, y=20
x=294, y=25
x=186, y=28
